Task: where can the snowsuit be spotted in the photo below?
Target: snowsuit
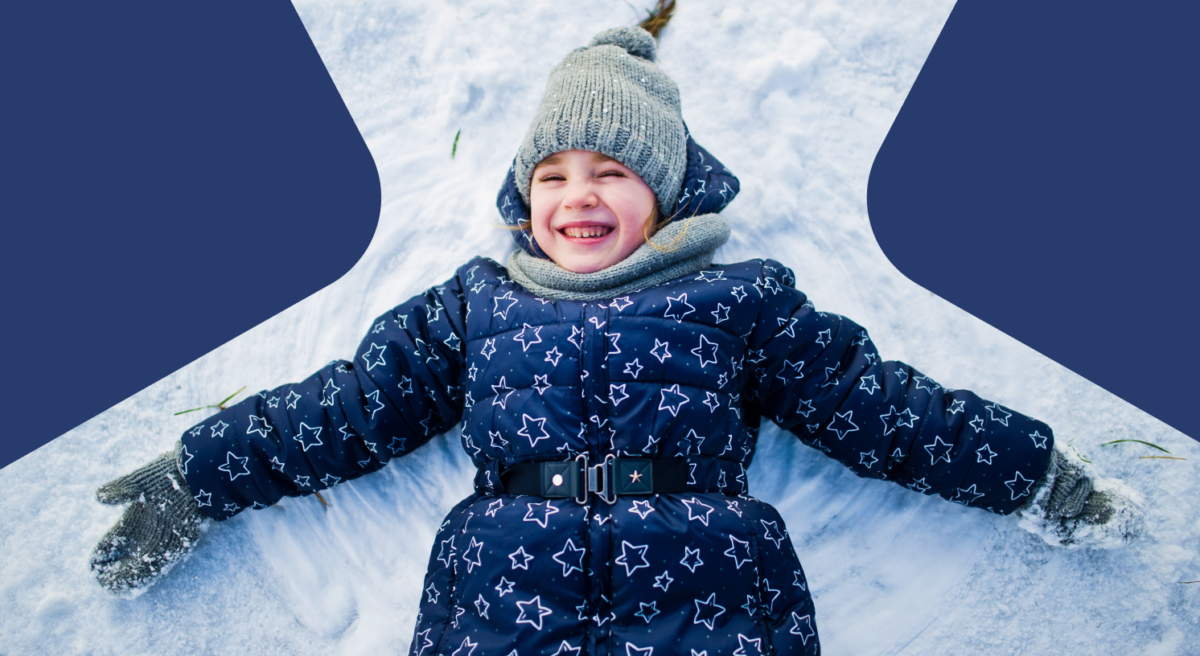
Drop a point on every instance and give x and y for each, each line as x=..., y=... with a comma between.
x=684, y=369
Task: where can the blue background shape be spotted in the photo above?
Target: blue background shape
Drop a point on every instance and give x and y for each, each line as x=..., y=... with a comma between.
x=173, y=175
x=1041, y=175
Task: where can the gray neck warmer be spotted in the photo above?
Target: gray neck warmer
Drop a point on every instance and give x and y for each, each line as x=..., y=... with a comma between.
x=691, y=243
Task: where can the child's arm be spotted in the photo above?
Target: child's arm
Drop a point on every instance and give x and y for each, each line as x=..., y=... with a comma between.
x=402, y=387
x=348, y=419
x=818, y=375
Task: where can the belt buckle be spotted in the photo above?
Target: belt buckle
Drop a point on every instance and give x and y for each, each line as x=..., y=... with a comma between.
x=599, y=480
x=583, y=488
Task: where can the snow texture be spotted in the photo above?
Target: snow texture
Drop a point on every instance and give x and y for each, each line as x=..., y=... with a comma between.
x=795, y=97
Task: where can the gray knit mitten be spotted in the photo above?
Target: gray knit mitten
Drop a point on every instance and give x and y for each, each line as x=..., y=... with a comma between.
x=158, y=529
x=1072, y=506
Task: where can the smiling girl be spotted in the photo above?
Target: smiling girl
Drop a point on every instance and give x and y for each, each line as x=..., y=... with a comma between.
x=610, y=382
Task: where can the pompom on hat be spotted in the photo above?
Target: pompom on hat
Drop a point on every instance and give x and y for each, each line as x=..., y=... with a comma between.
x=611, y=98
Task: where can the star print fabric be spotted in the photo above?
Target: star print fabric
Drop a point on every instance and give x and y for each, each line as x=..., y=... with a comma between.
x=819, y=375
x=348, y=419
x=686, y=369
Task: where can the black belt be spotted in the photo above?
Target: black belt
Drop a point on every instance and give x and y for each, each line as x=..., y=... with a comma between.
x=612, y=477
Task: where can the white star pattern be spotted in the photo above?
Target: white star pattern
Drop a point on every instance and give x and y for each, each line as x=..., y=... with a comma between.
x=509, y=301
x=539, y=611
x=377, y=404
x=802, y=626
x=233, y=462
x=502, y=392
x=676, y=308
x=663, y=581
x=1039, y=440
x=691, y=559
x=998, y=414
x=984, y=454
x=647, y=611
x=663, y=354
x=630, y=551
x=257, y=425
x=308, y=436
x=868, y=384
x=520, y=559
x=708, y=611
x=374, y=356
x=641, y=508
x=553, y=355
x=965, y=495
x=678, y=399
x=699, y=351
x=527, y=423
x=203, y=498
x=939, y=450
x=843, y=424
x=735, y=552
x=772, y=532
x=526, y=342
x=329, y=392
x=744, y=642
x=570, y=557
x=547, y=510
x=694, y=514
x=867, y=458
x=1019, y=486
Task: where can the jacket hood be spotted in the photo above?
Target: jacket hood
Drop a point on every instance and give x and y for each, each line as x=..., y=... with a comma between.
x=708, y=187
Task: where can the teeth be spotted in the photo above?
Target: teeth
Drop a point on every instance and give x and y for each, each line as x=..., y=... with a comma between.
x=587, y=231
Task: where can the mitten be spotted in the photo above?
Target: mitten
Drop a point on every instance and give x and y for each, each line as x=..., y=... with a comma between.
x=1072, y=506
x=158, y=529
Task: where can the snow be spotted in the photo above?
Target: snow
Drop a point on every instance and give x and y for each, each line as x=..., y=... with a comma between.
x=795, y=97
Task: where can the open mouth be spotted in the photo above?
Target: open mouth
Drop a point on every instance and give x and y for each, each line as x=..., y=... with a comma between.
x=586, y=232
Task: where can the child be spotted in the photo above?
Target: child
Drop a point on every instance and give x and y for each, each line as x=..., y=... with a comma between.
x=610, y=382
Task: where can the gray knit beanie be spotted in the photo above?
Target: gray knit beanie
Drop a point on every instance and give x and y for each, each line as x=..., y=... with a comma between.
x=611, y=98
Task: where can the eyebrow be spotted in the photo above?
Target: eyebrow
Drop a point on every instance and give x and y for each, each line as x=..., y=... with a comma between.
x=557, y=159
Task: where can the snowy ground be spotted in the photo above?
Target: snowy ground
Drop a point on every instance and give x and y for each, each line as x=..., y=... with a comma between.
x=795, y=98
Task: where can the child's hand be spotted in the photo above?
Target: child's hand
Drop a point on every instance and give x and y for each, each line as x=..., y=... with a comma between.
x=1074, y=507
x=158, y=529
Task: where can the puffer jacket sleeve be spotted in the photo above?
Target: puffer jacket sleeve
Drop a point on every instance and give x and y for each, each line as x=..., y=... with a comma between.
x=819, y=376
x=403, y=386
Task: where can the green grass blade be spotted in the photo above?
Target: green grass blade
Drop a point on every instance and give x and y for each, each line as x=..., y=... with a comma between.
x=1139, y=442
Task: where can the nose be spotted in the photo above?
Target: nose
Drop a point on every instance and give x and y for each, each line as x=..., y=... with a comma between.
x=580, y=195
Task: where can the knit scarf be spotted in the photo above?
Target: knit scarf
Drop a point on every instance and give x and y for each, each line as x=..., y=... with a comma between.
x=689, y=245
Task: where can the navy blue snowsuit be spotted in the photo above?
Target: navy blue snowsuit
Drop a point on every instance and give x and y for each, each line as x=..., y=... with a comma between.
x=684, y=369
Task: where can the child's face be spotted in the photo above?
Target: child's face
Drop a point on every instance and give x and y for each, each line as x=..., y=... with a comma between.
x=588, y=210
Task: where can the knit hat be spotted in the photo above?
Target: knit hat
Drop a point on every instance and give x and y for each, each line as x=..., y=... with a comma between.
x=611, y=98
